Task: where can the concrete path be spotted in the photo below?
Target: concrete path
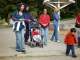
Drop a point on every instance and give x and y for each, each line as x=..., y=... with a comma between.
x=53, y=50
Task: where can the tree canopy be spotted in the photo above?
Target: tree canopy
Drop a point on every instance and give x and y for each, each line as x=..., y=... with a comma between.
x=36, y=6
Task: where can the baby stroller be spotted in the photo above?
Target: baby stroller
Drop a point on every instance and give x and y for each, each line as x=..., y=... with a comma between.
x=35, y=35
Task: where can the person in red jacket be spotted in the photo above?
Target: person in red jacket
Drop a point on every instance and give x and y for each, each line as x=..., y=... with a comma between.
x=44, y=21
x=70, y=41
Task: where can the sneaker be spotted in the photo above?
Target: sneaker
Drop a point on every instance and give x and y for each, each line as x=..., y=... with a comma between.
x=23, y=51
x=18, y=50
x=74, y=56
x=51, y=39
x=67, y=54
x=58, y=41
x=26, y=43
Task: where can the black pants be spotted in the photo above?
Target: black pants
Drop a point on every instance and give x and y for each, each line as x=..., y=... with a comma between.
x=70, y=48
x=27, y=33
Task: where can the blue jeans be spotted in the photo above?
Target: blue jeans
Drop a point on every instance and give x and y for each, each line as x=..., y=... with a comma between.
x=44, y=33
x=79, y=41
x=20, y=44
x=70, y=47
x=78, y=36
x=55, y=33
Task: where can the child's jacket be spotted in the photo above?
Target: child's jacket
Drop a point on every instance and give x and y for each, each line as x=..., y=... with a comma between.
x=70, y=39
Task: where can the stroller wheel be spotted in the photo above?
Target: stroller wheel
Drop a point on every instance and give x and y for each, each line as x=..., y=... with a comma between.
x=33, y=44
x=41, y=45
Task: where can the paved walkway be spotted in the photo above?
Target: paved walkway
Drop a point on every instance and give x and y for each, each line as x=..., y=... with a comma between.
x=7, y=47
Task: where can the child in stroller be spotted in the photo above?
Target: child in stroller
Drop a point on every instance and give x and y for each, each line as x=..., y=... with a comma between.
x=36, y=37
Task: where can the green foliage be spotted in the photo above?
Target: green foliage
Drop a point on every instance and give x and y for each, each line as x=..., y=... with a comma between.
x=36, y=6
x=34, y=12
x=6, y=8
